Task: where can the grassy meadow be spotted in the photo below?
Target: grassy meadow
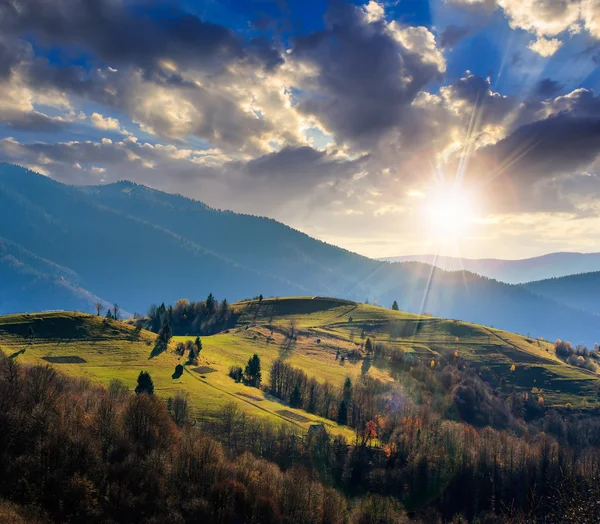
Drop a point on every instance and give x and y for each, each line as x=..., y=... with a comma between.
x=100, y=350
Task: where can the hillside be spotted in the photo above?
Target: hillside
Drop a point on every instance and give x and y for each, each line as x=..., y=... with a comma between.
x=521, y=271
x=134, y=246
x=101, y=350
x=580, y=291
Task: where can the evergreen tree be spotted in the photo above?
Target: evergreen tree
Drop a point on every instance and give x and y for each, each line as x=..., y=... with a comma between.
x=395, y=306
x=198, y=344
x=109, y=314
x=144, y=383
x=342, y=413
x=260, y=298
x=296, y=397
x=211, y=304
x=165, y=334
x=346, y=403
x=252, y=372
x=368, y=346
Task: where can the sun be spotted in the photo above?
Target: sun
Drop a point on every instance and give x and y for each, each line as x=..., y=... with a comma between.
x=450, y=212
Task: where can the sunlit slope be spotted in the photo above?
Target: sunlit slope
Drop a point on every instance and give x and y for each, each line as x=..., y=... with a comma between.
x=322, y=330
x=101, y=350
x=344, y=324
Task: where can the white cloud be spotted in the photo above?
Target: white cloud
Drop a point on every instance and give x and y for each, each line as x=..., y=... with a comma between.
x=106, y=124
x=545, y=47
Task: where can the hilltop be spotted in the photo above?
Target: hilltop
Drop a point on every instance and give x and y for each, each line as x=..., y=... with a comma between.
x=131, y=245
x=327, y=343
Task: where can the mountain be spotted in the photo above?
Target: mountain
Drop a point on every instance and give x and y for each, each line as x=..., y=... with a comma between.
x=132, y=245
x=513, y=271
x=45, y=284
x=577, y=291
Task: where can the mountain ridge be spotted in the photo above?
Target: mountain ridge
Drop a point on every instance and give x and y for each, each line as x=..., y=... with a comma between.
x=135, y=245
x=518, y=271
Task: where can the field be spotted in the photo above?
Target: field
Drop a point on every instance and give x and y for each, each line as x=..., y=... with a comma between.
x=100, y=350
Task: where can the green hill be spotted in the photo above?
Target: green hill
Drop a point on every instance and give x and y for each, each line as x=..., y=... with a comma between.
x=323, y=329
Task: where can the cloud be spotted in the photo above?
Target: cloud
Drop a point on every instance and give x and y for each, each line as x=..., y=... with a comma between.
x=359, y=74
x=546, y=87
x=545, y=47
x=107, y=123
x=142, y=33
x=550, y=20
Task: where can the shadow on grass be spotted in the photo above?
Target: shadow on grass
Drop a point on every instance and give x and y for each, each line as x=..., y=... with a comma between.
x=17, y=353
x=159, y=347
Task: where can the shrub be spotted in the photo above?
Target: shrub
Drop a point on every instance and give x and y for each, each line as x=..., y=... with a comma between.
x=236, y=373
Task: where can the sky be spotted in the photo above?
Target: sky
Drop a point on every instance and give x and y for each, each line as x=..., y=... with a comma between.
x=459, y=127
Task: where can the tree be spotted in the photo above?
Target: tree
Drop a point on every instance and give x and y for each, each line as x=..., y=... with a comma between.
x=252, y=372
x=260, y=298
x=109, y=314
x=98, y=307
x=165, y=334
x=296, y=396
x=211, y=304
x=144, y=384
x=116, y=310
x=395, y=306
x=30, y=332
x=198, y=344
x=368, y=346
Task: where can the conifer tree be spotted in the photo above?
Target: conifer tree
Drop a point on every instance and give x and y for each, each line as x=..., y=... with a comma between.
x=144, y=384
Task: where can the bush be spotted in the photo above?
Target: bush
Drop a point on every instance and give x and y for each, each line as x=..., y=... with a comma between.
x=236, y=373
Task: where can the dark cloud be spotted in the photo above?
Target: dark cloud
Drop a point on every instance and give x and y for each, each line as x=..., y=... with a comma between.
x=453, y=34
x=546, y=88
x=365, y=76
x=299, y=162
x=557, y=145
x=33, y=121
x=140, y=33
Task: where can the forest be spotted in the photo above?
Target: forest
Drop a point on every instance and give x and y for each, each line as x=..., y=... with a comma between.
x=76, y=452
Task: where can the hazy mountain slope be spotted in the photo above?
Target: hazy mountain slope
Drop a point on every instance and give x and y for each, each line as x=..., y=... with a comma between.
x=134, y=246
x=33, y=284
x=514, y=271
x=256, y=242
x=117, y=257
x=577, y=291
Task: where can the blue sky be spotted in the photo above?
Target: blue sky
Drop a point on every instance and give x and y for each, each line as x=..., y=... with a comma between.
x=460, y=126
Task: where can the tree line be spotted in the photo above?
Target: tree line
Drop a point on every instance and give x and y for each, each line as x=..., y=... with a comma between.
x=205, y=317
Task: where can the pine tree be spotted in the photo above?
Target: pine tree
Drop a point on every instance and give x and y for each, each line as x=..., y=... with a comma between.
x=296, y=397
x=165, y=334
x=252, y=372
x=144, y=383
x=368, y=346
x=395, y=306
x=198, y=344
x=260, y=298
x=211, y=304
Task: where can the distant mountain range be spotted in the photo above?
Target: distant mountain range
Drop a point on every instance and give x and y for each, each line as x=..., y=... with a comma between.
x=577, y=291
x=513, y=271
x=64, y=247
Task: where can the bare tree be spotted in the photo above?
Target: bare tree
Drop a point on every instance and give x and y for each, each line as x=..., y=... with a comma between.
x=116, y=310
x=98, y=307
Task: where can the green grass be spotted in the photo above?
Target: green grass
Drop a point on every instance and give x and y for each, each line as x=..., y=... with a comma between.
x=113, y=350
